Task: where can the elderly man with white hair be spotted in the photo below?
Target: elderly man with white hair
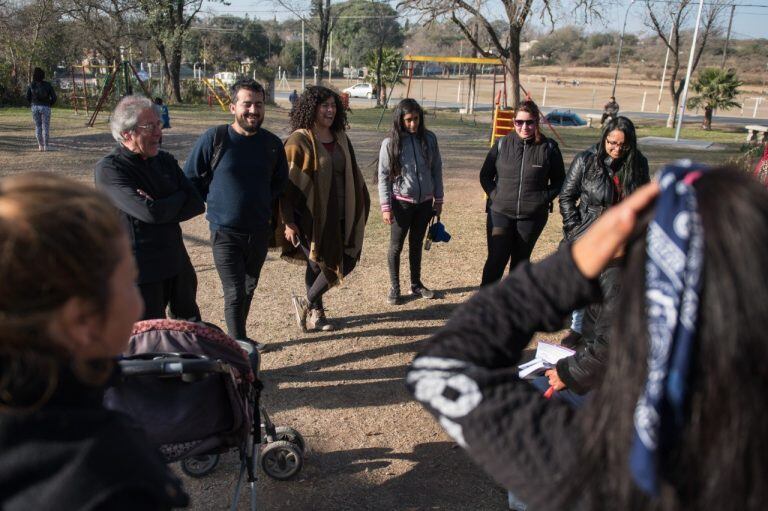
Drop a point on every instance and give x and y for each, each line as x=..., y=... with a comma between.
x=148, y=187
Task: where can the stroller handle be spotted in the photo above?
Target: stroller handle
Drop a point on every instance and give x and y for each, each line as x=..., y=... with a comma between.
x=170, y=365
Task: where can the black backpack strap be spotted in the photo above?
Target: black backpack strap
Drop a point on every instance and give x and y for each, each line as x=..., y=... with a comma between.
x=219, y=143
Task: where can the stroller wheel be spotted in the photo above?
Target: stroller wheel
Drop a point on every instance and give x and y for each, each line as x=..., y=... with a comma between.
x=199, y=466
x=288, y=434
x=281, y=460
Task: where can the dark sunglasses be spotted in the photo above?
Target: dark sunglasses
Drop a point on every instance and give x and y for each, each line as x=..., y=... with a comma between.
x=526, y=122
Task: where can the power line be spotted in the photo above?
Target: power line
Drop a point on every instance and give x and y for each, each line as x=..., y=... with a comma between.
x=721, y=4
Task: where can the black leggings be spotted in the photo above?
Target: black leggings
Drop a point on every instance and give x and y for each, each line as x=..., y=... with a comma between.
x=409, y=220
x=511, y=240
x=315, y=280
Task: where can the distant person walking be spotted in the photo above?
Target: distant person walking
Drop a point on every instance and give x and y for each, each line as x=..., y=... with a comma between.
x=410, y=192
x=240, y=170
x=41, y=97
x=522, y=175
x=293, y=97
x=611, y=109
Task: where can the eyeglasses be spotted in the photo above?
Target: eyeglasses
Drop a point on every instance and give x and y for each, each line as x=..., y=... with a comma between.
x=613, y=143
x=524, y=122
x=150, y=127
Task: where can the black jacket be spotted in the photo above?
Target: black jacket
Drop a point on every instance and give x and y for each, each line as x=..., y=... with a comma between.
x=585, y=370
x=153, y=223
x=524, y=177
x=589, y=190
x=41, y=93
x=467, y=376
x=73, y=454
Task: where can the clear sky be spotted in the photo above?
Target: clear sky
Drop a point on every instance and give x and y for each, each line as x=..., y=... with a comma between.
x=750, y=21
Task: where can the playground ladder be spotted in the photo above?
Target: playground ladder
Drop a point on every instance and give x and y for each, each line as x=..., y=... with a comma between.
x=222, y=98
x=106, y=91
x=109, y=85
x=502, y=119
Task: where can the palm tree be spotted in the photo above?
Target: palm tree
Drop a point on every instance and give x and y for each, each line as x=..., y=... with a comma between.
x=715, y=89
x=384, y=66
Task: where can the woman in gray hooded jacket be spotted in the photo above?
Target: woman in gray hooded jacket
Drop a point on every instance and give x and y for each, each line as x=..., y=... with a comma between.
x=410, y=191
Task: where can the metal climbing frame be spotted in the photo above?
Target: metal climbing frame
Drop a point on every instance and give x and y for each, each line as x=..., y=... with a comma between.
x=109, y=85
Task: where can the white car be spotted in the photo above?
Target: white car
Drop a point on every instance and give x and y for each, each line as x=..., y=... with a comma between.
x=361, y=90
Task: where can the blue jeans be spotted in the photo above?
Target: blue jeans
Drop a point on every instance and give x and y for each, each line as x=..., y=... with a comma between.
x=514, y=503
x=41, y=114
x=577, y=320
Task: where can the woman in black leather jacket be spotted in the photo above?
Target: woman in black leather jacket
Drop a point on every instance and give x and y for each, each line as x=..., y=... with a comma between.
x=598, y=178
x=601, y=176
x=521, y=175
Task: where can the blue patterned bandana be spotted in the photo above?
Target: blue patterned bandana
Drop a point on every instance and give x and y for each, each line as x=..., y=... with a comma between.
x=672, y=279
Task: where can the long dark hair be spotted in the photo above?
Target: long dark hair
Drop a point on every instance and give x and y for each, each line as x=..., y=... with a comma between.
x=38, y=75
x=721, y=460
x=303, y=115
x=631, y=171
x=406, y=106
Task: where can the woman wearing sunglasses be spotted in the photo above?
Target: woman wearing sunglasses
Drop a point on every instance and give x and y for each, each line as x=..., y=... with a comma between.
x=598, y=178
x=522, y=175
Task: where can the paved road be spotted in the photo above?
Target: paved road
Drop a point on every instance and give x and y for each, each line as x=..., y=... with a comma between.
x=485, y=107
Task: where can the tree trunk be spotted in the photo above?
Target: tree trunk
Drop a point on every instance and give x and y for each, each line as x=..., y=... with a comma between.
x=322, y=35
x=673, y=111
x=707, y=118
x=379, y=81
x=512, y=64
x=321, y=59
x=676, y=92
x=166, y=67
x=176, y=73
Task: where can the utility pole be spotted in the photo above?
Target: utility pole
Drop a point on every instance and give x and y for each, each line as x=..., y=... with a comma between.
x=664, y=73
x=727, y=37
x=621, y=44
x=688, y=72
x=330, y=56
x=303, y=64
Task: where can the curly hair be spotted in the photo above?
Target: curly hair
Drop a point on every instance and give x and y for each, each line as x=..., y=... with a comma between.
x=303, y=115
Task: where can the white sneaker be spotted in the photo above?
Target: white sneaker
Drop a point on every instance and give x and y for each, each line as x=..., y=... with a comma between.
x=316, y=320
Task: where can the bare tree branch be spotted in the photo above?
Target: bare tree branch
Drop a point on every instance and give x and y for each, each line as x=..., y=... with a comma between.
x=670, y=34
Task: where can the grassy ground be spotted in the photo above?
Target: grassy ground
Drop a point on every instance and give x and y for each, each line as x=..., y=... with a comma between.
x=370, y=445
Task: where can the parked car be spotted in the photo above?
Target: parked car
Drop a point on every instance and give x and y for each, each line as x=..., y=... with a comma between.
x=567, y=118
x=361, y=90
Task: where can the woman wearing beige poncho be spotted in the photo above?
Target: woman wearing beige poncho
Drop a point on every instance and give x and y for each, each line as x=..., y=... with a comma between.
x=326, y=203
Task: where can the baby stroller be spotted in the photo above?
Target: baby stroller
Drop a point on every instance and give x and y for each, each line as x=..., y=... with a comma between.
x=195, y=391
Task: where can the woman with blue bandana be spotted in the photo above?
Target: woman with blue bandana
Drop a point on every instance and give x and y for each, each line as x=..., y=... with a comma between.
x=678, y=422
